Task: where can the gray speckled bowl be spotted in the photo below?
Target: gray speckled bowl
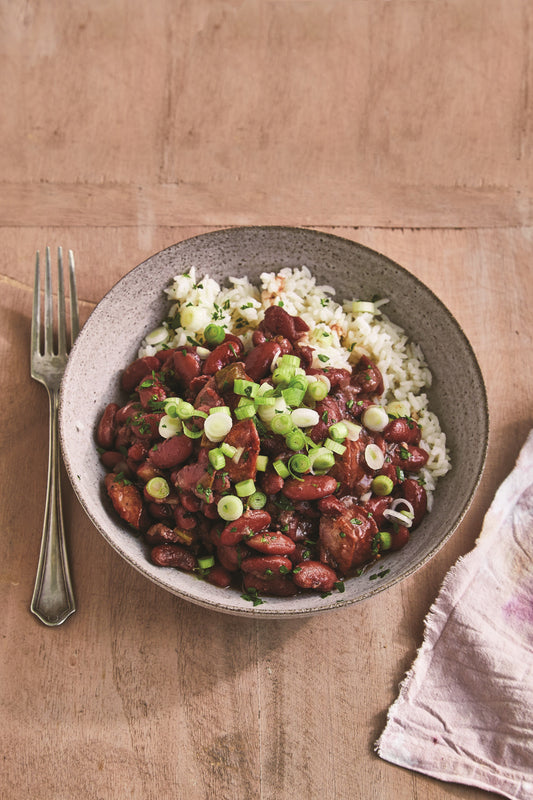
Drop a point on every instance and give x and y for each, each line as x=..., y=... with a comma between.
x=110, y=338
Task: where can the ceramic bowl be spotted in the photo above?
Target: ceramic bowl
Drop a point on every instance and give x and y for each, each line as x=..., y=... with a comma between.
x=136, y=304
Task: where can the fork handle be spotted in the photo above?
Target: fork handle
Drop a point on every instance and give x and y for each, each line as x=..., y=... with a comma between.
x=53, y=598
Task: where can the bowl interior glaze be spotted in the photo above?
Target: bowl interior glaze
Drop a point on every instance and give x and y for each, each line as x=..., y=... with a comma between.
x=136, y=304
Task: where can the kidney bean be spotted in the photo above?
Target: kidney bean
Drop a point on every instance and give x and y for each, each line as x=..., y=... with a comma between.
x=190, y=501
x=110, y=459
x=399, y=537
x=305, y=354
x=376, y=506
x=184, y=519
x=409, y=457
x=277, y=322
x=231, y=556
x=127, y=412
x=329, y=413
x=302, y=552
x=273, y=543
x=314, y=575
x=416, y=495
x=271, y=482
x=367, y=378
x=231, y=338
x=171, y=452
x=161, y=512
x=127, y=501
x=259, y=360
x=266, y=566
x=173, y=555
x=258, y=337
x=152, y=392
x=138, y=451
x=187, y=364
x=331, y=506
x=311, y=487
x=146, y=470
x=277, y=585
x=339, y=378
x=105, y=433
x=219, y=576
x=251, y=522
x=226, y=353
x=402, y=430
x=136, y=371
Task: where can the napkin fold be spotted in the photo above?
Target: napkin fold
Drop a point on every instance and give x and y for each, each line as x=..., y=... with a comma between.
x=464, y=713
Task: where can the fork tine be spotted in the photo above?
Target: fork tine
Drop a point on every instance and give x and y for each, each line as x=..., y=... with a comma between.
x=74, y=316
x=61, y=325
x=36, y=312
x=48, y=307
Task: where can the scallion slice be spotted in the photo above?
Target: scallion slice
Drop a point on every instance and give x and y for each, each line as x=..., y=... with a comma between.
x=257, y=500
x=335, y=447
x=214, y=334
x=217, y=426
x=245, y=488
x=230, y=507
x=217, y=458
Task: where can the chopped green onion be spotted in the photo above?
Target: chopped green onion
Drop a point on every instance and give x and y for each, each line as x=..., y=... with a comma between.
x=171, y=405
x=244, y=387
x=293, y=395
x=282, y=424
x=217, y=458
x=281, y=469
x=206, y=562
x=362, y=306
x=374, y=456
x=190, y=433
x=220, y=410
x=375, y=418
x=227, y=449
x=185, y=410
x=193, y=318
x=382, y=485
x=353, y=430
x=265, y=400
x=385, y=540
x=267, y=413
x=245, y=488
x=281, y=375
x=335, y=447
x=157, y=336
x=214, y=334
x=305, y=417
x=169, y=426
x=217, y=426
x=157, y=488
x=317, y=390
x=295, y=439
x=245, y=411
x=398, y=408
x=230, y=507
x=338, y=431
x=299, y=463
x=262, y=463
x=290, y=361
x=257, y=500
x=321, y=458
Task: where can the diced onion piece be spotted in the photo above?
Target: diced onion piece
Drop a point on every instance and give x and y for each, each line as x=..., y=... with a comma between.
x=363, y=306
x=398, y=516
x=354, y=430
x=193, y=318
x=398, y=408
x=245, y=488
x=401, y=501
x=157, y=336
x=305, y=417
x=375, y=418
x=169, y=426
x=217, y=427
x=202, y=352
x=230, y=507
x=374, y=456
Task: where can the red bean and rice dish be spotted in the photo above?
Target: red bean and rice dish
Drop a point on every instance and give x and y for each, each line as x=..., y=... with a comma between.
x=270, y=439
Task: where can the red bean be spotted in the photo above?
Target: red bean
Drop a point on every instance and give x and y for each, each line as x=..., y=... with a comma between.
x=409, y=457
x=314, y=575
x=416, y=495
x=219, y=576
x=402, y=430
x=173, y=555
x=128, y=411
x=272, y=543
x=184, y=519
x=331, y=506
x=266, y=566
x=367, y=378
x=277, y=322
x=376, y=506
x=110, y=459
x=105, y=434
x=278, y=586
x=187, y=365
x=224, y=354
x=251, y=522
x=259, y=360
x=139, y=369
x=231, y=556
x=311, y=487
x=159, y=533
x=271, y=482
x=171, y=452
x=399, y=538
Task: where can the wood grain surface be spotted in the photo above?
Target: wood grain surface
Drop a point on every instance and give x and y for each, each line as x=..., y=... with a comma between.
x=127, y=126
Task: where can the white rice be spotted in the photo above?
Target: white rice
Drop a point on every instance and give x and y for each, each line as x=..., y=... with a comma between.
x=335, y=332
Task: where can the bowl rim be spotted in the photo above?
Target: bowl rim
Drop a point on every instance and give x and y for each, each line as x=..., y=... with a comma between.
x=274, y=607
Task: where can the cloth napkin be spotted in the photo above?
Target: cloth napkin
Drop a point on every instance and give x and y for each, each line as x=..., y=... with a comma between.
x=465, y=709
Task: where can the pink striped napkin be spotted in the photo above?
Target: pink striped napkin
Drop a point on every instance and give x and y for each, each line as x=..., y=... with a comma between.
x=465, y=709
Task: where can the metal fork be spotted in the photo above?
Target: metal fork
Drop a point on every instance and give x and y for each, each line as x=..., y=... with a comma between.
x=53, y=598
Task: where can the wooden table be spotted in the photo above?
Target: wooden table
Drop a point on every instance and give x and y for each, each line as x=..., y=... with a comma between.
x=128, y=126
